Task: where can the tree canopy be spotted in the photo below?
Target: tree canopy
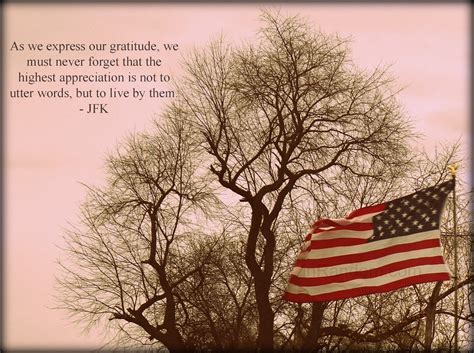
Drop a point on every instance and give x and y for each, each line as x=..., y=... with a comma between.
x=293, y=130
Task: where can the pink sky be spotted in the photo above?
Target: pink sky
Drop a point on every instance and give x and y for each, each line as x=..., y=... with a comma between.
x=51, y=146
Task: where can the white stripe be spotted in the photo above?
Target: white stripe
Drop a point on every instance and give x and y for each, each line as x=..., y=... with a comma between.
x=343, y=233
x=336, y=234
x=359, y=219
x=377, y=281
x=365, y=265
x=375, y=245
x=328, y=233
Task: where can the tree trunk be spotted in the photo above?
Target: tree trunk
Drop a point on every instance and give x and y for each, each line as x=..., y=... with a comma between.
x=430, y=317
x=265, y=316
x=265, y=312
x=175, y=343
x=311, y=338
x=262, y=273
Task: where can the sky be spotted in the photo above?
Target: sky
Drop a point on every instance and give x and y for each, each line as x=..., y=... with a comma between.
x=51, y=147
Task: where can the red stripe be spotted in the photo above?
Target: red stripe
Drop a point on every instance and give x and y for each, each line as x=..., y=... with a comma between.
x=372, y=273
x=332, y=243
x=355, y=292
x=351, y=226
x=324, y=223
x=366, y=210
x=366, y=256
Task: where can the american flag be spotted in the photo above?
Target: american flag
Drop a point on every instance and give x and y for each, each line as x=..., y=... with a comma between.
x=374, y=249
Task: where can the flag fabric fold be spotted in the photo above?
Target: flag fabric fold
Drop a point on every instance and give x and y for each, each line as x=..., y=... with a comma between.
x=374, y=249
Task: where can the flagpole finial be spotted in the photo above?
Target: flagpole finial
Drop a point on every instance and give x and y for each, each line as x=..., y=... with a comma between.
x=453, y=168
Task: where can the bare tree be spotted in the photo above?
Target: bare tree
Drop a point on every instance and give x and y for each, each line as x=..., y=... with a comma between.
x=291, y=128
x=288, y=108
x=131, y=251
x=219, y=300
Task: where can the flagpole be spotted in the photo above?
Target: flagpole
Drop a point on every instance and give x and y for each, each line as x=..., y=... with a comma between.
x=452, y=169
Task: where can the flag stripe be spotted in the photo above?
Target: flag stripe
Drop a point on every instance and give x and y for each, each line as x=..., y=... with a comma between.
x=348, y=293
x=334, y=243
x=369, y=282
x=367, y=210
x=357, y=249
x=372, y=273
x=369, y=255
x=366, y=265
x=363, y=218
x=340, y=233
x=352, y=226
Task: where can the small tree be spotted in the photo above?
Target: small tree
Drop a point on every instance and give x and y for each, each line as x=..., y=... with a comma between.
x=135, y=245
